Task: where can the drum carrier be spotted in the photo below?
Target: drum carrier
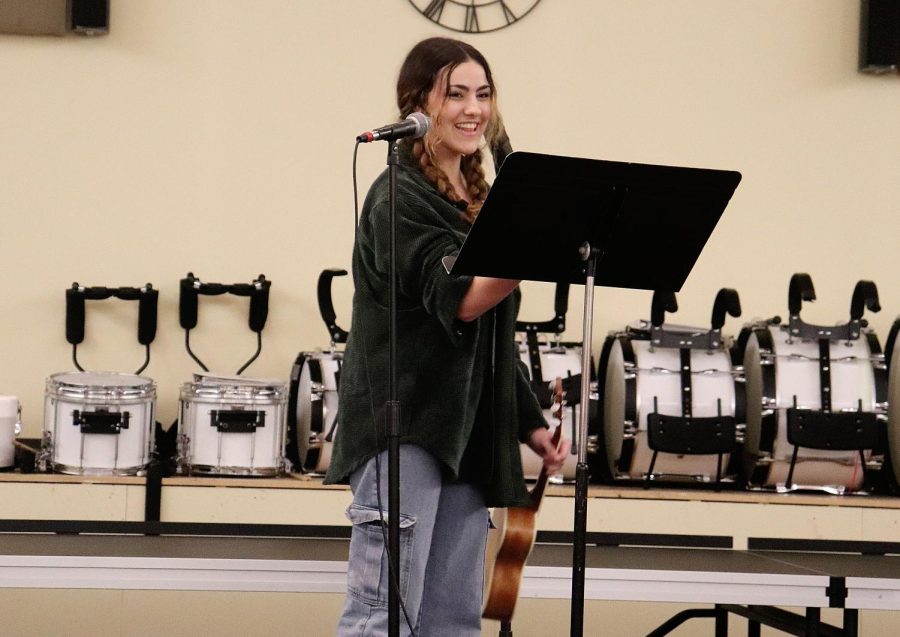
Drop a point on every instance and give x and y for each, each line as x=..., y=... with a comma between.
x=228, y=425
x=100, y=423
x=315, y=378
x=817, y=397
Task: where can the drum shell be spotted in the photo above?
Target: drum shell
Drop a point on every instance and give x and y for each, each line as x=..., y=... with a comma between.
x=783, y=372
x=638, y=379
x=314, y=408
x=206, y=449
x=9, y=423
x=75, y=452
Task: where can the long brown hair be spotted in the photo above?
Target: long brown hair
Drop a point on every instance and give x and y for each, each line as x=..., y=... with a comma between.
x=428, y=61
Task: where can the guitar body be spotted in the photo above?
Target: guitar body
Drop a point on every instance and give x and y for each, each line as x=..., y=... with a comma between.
x=509, y=543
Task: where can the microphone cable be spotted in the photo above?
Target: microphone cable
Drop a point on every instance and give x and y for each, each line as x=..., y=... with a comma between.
x=393, y=576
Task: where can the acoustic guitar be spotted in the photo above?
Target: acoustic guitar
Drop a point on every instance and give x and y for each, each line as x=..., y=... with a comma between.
x=511, y=539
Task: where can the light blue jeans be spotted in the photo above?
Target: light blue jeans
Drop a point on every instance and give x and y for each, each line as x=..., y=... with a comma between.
x=442, y=540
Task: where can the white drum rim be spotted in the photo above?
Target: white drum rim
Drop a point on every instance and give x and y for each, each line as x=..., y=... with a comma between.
x=308, y=414
x=213, y=470
x=63, y=385
x=97, y=471
x=256, y=394
x=60, y=377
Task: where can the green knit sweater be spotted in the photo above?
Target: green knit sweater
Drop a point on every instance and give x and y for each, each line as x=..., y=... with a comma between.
x=463, y=393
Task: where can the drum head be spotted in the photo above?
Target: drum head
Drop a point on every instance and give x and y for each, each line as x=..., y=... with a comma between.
x=304, y=377
x=614, y=398
x=754, y=388
x=893, y=427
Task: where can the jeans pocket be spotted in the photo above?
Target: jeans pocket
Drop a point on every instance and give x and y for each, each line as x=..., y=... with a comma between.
x=367, y=568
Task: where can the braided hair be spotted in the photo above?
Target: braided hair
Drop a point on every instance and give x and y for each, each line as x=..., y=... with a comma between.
x=428, y=61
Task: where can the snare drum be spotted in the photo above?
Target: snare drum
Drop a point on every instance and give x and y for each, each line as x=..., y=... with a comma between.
x=782, y=373
x=98, y=423
x=232, y=426
x=312, y=421
x=10, y=427
x=557, y=361
x=639, y=379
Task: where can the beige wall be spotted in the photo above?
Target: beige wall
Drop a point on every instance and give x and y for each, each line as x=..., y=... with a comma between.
x=216, y=137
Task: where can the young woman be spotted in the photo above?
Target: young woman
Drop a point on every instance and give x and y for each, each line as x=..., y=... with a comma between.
x=465, y=401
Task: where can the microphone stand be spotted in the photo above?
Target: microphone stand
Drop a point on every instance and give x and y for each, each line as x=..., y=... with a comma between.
x=392, y=408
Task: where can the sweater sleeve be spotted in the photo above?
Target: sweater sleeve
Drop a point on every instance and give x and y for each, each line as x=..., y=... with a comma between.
x=423, y=240
x=531, y=416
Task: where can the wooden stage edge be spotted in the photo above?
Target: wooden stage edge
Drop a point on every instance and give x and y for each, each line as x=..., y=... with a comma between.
x=300, y=481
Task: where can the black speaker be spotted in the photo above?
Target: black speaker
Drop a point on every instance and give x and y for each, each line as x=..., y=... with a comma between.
x=879, y=41
x=90, y=17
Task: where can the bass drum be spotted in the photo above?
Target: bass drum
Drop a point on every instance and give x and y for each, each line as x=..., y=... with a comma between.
x=892, y=357
x=783, y=372
x=638, y=379
x=312, y=410
x=557, y=361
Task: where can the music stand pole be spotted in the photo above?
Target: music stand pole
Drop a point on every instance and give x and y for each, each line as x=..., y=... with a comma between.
x=392, y=410
x=582, y=476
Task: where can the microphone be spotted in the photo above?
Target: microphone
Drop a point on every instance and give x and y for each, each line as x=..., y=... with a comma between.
x=415, y=125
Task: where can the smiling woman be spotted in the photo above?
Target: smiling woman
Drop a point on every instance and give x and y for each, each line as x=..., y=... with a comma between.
x=466, y=402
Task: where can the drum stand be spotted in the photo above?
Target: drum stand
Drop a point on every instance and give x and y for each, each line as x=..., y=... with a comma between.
x=601, y=211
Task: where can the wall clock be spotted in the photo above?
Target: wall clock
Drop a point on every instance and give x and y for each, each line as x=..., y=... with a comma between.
x=474, y=16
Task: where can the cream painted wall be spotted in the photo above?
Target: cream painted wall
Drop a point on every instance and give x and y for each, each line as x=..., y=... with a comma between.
x=216, y=137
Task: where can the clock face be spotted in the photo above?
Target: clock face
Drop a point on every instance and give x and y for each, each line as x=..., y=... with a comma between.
x=474, y=16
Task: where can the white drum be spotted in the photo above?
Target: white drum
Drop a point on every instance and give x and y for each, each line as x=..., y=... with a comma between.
x=782, y=373
x=234, y=426
x=639, y=379
x=10, y=426
x=313, y=408
x=98, y=423
x=892, y=355
x=557, y=361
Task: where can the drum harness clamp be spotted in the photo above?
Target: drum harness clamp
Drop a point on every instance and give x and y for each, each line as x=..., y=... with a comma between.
x=102, y=421
x=233, y=420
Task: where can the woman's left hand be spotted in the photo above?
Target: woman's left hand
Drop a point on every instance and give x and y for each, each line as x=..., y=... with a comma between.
x=540, y=441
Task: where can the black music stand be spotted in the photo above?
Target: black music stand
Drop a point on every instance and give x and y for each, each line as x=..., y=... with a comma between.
x=593, y=222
